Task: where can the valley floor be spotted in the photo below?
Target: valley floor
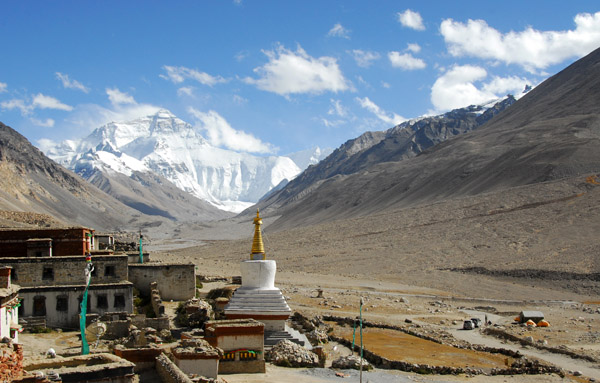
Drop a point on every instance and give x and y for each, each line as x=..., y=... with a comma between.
x=529, y=248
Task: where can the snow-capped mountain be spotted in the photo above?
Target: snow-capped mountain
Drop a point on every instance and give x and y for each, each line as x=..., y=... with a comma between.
x=164, y=145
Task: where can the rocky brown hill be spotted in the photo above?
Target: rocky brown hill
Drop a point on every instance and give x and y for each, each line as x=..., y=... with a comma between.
x=31, y=182
x=551, y=133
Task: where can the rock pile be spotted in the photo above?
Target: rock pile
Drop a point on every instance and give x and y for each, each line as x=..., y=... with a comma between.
x=351, y=362
x=194, y=313
x=141, y=338
x=289, y=354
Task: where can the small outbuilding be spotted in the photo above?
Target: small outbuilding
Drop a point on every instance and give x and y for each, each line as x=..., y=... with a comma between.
x=535, y=316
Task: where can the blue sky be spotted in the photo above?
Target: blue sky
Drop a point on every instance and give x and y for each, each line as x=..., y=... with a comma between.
x=274, y=77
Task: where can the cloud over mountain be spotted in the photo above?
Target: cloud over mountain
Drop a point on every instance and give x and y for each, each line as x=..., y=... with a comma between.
x=289, y=72
x=532, y=49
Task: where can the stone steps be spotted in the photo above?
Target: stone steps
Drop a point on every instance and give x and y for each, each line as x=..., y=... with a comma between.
x=273, y=337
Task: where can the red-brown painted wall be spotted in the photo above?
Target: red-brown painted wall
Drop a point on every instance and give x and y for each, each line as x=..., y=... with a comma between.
x=72, y=241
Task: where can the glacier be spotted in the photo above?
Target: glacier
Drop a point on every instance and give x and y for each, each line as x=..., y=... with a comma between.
x=167, y=146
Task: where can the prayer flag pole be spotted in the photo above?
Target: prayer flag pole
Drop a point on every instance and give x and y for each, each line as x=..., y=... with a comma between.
x=361, y=340
x=89, y=267
x=141, y=252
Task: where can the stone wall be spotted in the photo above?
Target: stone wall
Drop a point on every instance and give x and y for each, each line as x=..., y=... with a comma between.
x=53, y=271
x=102, y=367
x=135, y=257
x=157, y=306
x=143, y=358
x=61, y=303
x=175, y=281
x=117, y=324
x=169, y=372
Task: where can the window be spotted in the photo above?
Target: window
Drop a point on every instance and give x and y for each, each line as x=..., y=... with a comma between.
x=13, y=275
x=48, y=274
x=109, y=271
x=101, y=301
x=119, y=301
x=39, y=306
x=62, y=303
x=22, y=307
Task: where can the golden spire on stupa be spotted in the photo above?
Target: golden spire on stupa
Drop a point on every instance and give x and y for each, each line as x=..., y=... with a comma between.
x=258, y=249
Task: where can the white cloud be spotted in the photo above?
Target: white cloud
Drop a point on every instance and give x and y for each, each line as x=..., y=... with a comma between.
x=339, y=31
x=117, y=97
x=16, y=104
x=87, y=117
x=71, y=84
x=385, y=85
x=239, y=99
x=532, y=49
x=220, y=133
x=290, y=72
x=47, y=102
x=337, y=108
x=364, y=59
x=461, y=86
x=332, y=123
x=388, y=118
x=3, y=87
x=178, y=74
x=185, y=90
x=241, y=56
x=414, y=48
x=40, y=101
x=411, y=19
x=406, y=61
x=48, y=123
x=504, y=85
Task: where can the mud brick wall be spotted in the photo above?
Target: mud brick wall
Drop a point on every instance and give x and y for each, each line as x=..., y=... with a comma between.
x=175, y=281
x=60, y=271
x=11, y=362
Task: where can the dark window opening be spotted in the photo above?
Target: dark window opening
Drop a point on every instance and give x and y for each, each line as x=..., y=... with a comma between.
x=13, y=275
x=48, y=274
x=22, y=308
x=94, y=273
x=62, y=303
x=38, y=253
x=119, y=301
x=101, y=302
x=109, y=271
x=39, y=306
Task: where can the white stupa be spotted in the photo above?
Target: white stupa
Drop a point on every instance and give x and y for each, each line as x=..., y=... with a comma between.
x=258, y=298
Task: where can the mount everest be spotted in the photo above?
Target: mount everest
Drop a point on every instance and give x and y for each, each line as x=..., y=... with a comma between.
x=169, y=150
